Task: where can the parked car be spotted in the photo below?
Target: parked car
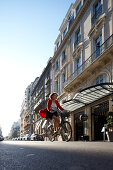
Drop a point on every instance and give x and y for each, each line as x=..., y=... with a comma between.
x=22, y=137
x=33, y=136
x=27, y=137
x=18, y=138
x=1, y=138
x=39, y=137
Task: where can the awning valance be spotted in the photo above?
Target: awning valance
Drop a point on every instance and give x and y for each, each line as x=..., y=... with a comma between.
x=88, y=96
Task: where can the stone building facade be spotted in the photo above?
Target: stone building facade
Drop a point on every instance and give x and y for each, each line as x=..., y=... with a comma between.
x=40, y=95
x=84, y=57
x=82, y=62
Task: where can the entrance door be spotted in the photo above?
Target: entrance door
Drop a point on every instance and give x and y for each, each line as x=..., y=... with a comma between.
x=99, y=113
x=99, y=121
x=79, y=129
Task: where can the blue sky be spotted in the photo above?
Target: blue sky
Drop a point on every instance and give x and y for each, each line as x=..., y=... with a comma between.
x=28, y=30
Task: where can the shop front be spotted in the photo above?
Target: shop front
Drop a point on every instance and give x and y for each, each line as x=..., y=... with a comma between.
x=94, y=102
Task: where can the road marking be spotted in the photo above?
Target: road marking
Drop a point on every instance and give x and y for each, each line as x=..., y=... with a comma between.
x=21, y=148
x=30, y=154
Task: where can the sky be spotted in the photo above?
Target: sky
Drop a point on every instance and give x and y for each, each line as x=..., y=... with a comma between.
x=28, y=30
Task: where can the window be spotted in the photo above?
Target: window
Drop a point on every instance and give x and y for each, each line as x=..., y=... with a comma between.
x=79, y=65
x=63, y=57
x=71, y=19
x=98, y=44
x=78, y=8
x=63, y=77
x=56, y=65
x=64, y=33
x=77, y=37
x=56, y=86
x=58, y=44
x=101, y=79
x=98, y=9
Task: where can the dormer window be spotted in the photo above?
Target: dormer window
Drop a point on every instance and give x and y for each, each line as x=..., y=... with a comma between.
x=78, y=8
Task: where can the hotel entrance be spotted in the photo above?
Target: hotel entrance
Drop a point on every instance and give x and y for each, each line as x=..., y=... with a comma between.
x=78, y=125
x=79, y=129
x=99, y=115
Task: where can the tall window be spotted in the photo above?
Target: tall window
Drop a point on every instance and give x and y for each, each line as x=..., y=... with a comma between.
x=58, y=44
x=101, y=79
x=78, y=8
x=63, y=77
x=56, y=65
x=64, y=33
x=77, y=37
x=98, y=9
x=56, y=86
x=63, y=57
x=79, y=65
x=71, y=19
x=98, y=43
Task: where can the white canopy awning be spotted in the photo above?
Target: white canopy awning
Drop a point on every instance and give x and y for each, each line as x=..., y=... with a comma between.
x=88, y=96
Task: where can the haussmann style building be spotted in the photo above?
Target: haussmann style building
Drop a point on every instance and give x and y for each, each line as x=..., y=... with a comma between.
x=82, y=66
x=81, y=70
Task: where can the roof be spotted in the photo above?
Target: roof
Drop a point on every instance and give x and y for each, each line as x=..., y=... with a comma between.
x=88, y=96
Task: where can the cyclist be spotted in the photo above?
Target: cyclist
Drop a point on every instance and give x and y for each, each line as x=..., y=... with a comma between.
x=51, y=111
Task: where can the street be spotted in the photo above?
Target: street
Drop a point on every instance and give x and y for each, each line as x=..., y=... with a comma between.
x=22, y=155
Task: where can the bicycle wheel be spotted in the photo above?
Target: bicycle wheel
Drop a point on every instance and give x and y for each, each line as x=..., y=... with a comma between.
x=66, y=131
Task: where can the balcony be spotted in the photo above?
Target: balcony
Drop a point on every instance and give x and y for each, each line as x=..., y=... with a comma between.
x=97, y=14
x=91, y=63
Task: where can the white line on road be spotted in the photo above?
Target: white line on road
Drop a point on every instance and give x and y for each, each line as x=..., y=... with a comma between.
x=30, y=154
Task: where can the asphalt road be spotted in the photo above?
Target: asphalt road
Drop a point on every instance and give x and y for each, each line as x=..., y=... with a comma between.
x=21, y=155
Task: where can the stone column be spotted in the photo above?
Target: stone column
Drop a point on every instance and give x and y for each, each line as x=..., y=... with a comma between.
x=72, y=124
x=112, y=15
x=111, y=104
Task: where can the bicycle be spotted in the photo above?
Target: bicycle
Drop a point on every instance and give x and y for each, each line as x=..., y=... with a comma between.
x=64, y=129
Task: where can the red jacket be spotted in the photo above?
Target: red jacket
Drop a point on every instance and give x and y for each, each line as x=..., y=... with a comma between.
x=43, y=112
x=50, y=103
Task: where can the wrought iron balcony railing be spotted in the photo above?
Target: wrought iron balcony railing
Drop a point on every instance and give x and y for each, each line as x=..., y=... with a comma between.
x=97, y=53
x=96, y=15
